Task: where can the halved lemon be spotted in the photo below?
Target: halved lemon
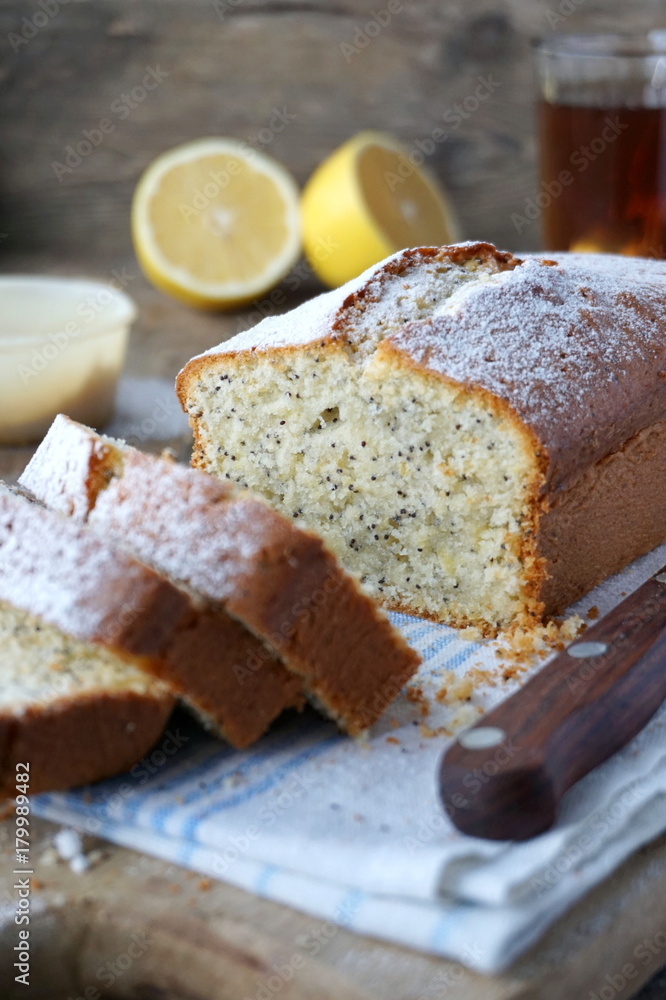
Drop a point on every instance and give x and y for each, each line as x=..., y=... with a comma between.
x=215, y=223
x=370, y=198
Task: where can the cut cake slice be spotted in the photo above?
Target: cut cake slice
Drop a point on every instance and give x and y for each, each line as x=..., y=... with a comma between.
x=71, y=712
x=78, y=582
x=82, y=634
x=233, y=548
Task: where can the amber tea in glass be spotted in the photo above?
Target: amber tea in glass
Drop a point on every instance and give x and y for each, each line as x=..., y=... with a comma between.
x=602, y=143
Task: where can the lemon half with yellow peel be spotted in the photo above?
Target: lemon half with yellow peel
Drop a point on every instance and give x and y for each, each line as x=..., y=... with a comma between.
x=370, y=198
x=215, y=223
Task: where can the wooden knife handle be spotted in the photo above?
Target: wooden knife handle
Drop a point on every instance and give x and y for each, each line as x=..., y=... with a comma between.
x=503, y=779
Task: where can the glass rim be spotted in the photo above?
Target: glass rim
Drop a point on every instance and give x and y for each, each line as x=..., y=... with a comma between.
x=603, y=45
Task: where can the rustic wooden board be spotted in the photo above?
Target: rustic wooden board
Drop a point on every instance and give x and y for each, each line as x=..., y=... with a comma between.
x=135, y=928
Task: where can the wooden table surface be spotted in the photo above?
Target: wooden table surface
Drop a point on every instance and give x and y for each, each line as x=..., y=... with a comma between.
x=190, y=938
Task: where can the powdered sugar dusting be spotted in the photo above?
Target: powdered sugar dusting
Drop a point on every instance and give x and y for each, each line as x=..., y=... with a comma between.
x=574, y=343
x=575, y=350
x=610, y=264
x=199, y=531
x=66, y=456
x=304, y=325
x=53, y=568
x=315, y=319
x=181, y=521
x=307, y=323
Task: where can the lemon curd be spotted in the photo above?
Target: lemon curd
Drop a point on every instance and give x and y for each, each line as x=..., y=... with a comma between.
x=62, y=346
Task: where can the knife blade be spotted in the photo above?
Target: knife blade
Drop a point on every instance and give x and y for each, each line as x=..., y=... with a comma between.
x=504, y=778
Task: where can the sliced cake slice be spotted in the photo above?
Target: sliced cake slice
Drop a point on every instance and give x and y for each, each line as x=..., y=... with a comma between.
x=232, y=547
x=78, y=582
x=71, y=712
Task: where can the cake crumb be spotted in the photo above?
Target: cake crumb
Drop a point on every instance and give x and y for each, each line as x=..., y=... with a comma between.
x=429, y=733
x=518, y=649
x=392, y=739
x=521, y=646
x=471, y=633
x=480, y=677
x=593, y=612
x=205, y=884
x=455, y=690
x=416, y=694
x=466, y=716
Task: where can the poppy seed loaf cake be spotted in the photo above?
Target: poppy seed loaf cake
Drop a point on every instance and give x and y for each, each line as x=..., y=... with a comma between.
x=94, y=591
x=308, y=628
x=480, y=438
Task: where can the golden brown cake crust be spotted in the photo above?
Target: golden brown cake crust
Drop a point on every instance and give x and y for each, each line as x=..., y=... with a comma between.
x=72, y=742
x=614, y=512
x=54, y=569
x=278, y=580
x=329, y=317
x=223, y=671
x=219, y=668
x=578, y=354
x=574, y=346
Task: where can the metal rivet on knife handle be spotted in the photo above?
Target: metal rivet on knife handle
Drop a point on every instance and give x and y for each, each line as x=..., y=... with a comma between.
x=482, y=738
x=582, y=650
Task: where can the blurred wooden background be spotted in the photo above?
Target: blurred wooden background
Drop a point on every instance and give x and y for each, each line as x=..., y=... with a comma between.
x=225, y=66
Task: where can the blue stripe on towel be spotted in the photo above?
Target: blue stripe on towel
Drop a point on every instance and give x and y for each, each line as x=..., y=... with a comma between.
x=439, y=643
x=462, y=656
x=441, y=932
x=265, y=876
x=346, y=911
x=262, y=785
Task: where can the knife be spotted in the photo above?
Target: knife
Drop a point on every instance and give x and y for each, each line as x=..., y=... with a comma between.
x=504, y=778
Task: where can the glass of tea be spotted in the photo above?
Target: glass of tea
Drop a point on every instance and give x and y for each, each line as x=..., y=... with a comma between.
x=602, y=143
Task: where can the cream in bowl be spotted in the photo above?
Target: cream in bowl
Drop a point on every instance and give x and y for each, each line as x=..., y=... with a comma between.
x=62, y=346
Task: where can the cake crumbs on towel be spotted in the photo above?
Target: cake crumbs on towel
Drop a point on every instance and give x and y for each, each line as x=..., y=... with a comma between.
x=464, y=717
x=522, y=646
x=519, y=649
x=417, y=695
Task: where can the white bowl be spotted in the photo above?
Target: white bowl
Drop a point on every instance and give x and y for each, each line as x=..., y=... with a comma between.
x=62, y=346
